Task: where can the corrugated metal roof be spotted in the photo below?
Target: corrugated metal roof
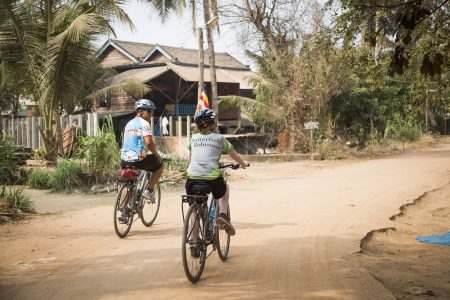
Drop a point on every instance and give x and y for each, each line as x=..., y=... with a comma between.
x=187, y=73
x=140, y=74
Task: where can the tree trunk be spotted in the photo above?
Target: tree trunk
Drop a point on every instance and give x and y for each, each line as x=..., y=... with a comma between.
x=212, y=59
x=58, y=133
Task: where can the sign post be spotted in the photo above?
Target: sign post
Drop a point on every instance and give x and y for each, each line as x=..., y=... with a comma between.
x=311, y=126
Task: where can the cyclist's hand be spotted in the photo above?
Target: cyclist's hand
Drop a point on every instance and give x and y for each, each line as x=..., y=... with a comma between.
x=243, y=165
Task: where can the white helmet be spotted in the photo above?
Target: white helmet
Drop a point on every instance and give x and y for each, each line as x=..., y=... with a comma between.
x=144, y=104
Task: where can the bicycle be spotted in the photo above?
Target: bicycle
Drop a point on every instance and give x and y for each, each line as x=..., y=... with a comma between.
x=202, y=217
x=131, y=184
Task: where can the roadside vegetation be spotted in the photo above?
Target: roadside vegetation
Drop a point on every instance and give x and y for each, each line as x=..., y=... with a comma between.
x=374, y=76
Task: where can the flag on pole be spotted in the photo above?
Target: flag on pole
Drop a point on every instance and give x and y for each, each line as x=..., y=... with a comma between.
x=202, y=101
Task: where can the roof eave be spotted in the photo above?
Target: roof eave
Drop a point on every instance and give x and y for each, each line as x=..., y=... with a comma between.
x=108, y=43
x=160, y=49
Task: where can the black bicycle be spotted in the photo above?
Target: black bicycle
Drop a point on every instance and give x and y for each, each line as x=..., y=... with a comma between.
x=130, y=201
x=201, y=229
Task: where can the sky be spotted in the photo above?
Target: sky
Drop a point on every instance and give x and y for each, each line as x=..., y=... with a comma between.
x=175, y=31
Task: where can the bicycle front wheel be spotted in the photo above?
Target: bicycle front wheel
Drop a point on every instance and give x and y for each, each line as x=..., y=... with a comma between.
x=194, y=244
x=123, y=214
x=222, y=237
x=150, y=207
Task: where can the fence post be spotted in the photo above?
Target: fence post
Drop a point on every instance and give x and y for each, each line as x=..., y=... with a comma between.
x=24, y=132
x=33, y=133
x=80, y=121
x=180, y=133
x=88, y=124
x=28, y=121
x=4, y=127
x=18, y=132
x=188, y=127
x=95, y=119
x=170, y=126
x=152, y=126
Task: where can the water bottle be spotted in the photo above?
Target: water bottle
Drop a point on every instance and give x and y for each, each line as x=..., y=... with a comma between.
x=212, y=214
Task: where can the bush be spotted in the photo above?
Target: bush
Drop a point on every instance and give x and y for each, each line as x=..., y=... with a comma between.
x=404, y=130
x=100, y=154
x=40, y=179
x=9, y=168
x=16, y=200
x=68, y=174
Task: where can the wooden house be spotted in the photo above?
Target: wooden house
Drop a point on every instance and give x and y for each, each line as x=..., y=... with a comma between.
x=172, y=74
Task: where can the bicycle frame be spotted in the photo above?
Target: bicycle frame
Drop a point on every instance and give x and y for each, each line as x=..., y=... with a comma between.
x=205, y=213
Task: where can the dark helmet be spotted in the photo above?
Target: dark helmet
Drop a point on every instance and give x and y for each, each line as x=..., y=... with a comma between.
x=203, y=118
x=144, y=104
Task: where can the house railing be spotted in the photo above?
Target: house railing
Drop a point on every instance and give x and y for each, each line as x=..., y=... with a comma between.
x=185, y=109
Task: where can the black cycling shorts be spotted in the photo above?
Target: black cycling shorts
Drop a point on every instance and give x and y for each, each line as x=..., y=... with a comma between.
x=218, y=186
x=150, y=163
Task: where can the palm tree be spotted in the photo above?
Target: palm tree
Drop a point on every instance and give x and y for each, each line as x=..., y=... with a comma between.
x=210, y=13
x=51, y=45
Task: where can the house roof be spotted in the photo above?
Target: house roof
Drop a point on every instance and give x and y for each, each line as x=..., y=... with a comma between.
x=187, y=73
x=141, y=52
x=138, y=50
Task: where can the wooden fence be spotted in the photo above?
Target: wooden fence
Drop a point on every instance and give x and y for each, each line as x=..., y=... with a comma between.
x=26, y=130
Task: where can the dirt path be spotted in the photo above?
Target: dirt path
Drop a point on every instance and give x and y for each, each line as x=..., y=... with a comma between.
x=296, y=222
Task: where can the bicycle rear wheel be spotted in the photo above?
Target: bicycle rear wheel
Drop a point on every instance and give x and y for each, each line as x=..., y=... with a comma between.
x=123, y=214
x=222, y=237
x=194, y=244
x=150, y=207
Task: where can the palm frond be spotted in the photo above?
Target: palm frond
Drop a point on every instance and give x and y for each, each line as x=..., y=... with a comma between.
x=134, y=88
x=246, y=104
x=164, y=7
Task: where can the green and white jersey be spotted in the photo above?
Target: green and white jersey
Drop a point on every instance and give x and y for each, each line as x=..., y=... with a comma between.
x=206, y=150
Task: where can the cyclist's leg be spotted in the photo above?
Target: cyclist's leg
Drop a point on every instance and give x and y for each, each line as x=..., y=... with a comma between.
x=224, y=201
x=151, y=164
x=221, y=192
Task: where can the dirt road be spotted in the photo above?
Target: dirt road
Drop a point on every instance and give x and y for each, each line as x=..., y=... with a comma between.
x=296, y=224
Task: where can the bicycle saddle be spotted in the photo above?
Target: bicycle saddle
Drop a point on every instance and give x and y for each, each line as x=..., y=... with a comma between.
x=201, y=189
x=128, y=173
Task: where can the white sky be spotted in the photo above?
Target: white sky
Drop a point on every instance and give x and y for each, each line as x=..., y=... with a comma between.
x=176, y=31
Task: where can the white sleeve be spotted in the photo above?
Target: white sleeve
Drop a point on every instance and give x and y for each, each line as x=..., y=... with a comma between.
x=146, y=131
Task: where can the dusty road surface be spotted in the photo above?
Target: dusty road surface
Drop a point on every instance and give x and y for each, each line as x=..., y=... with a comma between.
x=296, y=224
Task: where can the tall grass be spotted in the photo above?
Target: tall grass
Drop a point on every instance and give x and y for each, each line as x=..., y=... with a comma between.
x=99, y=154
x=40, y=179
x=68, y=175
x=16, y=200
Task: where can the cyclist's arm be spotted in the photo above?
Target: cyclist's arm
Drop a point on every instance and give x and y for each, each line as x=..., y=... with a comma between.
x=151, y=146
x=237, y=158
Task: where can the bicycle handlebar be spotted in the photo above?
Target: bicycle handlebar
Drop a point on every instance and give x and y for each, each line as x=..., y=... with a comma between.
x=233, y=166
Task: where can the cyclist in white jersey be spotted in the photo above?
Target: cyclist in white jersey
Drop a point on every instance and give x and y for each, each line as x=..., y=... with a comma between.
x=205, y=148
x=137, y=140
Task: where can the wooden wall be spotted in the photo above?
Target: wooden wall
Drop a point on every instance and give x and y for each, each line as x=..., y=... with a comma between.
x=113, y=58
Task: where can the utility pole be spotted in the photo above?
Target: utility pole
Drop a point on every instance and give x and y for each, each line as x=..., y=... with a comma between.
x=201, y=64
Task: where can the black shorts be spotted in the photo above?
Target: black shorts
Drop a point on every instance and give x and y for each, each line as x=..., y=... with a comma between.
x=150, y=163
x=218, y=186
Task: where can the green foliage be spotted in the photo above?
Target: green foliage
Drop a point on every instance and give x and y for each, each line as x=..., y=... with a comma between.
x=68, y=174
x=176, y=164
x=9, y=169
x=15, y=200
x=99, y=154
x=404, y=130
x=40, y=179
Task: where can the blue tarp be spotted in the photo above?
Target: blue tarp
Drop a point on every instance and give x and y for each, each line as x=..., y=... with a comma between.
x=442, y=239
